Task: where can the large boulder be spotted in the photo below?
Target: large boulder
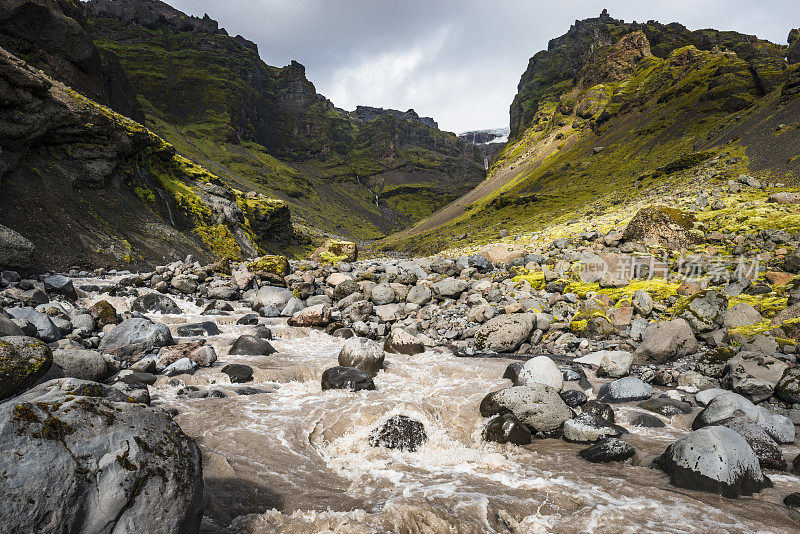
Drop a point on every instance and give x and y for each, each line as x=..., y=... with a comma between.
x=755, y=375
x=23, y=361
x=200, y=355
x=450, y=287
x=9, y=327
x=317, y=315
x=401, y=342
x=589, y=427
x=704, y=311
x=58, y=284
x=238, y=373
x=540, y=370
x=608, y=450
x=81, y=459
x=741, y=314
x=419, y=294
x=505, y=333
x=363, y=354
x=506, y=428
x=267, y=296
x=666, y=341
x=15, y=250
x=714, y=459
x=537, y=405
x=137, y=331
x=768, y=453
x=248, y=345
x=625, y=389
x=155, y=303
x=661, y=226
x=45, y=329
x=83, y=364
x=399, y=432
x=502, y=252
x=615, y=363
x=788, y=387
x=204, y=329
x=333, y=251
x=346, y=378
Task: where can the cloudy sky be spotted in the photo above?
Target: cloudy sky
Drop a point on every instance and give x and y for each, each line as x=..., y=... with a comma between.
x=458, y=61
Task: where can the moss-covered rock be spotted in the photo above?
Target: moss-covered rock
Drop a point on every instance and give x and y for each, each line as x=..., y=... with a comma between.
x=661, y=226
x=333, y=251
x=269, y=265
x=713, y=362
x=23, y=361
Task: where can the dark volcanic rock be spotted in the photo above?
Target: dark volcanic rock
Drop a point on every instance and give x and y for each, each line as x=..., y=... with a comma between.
x=714, y=459
x=573, y=397
x=155, y=303
x=206, y=328
x=608, y=450
x=399, y=432
x=251, y=346
x=346, y=378
x=238, y=372
x=647, y=421
x=506, y=428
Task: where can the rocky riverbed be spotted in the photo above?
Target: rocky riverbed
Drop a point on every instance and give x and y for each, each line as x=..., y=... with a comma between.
x=469, y=394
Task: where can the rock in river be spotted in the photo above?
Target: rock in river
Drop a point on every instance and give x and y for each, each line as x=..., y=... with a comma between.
x=399, y=432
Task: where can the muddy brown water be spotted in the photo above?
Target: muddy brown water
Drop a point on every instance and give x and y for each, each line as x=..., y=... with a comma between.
x=296, y=460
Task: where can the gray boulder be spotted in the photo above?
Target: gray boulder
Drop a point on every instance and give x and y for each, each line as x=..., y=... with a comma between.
x=204, y=329
x=642, y=303
x=537, y=405
x=450, y=288
x=419, y=294
x=363, y=354
x=667, y=341
x=15, y=250
x=741, y=314
x=615, y=363
x=401, y=342
x=768, y=453
x=155, y=303
x=788, y=387
x=755, y=375
x=45, y=329
x=58, y=284
x=81, y=459
x=267, y=296
x=382, y=294
x=705, y=311
x=23, y=361
x=714, y=459
x=625, y=389
x=137, y=331
x=588, y=428
x=505, y=333
x=540, y=370
x=82, y=364
x=251, y=346
x=608, y=450
x=9, y=327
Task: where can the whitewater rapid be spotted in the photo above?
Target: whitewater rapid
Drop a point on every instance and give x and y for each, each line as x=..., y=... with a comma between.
x=293, y=458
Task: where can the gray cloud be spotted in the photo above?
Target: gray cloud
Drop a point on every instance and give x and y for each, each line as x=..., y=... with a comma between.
x=458, y=61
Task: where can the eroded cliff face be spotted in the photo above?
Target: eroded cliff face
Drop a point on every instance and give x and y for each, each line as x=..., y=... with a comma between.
x=603, y=49
x=91, y=187
x=52, y=35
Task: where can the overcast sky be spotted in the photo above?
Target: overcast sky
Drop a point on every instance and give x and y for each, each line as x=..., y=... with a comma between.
x=458, y=61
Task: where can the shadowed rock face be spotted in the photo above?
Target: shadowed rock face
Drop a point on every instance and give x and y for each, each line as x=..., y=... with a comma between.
x=52, y=36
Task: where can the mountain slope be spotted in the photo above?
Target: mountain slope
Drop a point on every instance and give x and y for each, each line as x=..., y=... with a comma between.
x=92, y=188
x=606, y=119
x=362, y=174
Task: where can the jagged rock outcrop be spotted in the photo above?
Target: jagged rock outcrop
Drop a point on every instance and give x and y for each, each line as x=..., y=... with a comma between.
x=87, y=186
x=53, y=36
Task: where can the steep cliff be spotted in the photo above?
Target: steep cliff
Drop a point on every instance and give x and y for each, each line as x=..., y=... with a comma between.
x=90, y=187
x=360, y=174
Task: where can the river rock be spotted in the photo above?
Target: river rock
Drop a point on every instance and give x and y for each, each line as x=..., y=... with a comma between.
x=741, y=314
x=419, y=294
x=248, y=345
x=615, y=363
x=346, y=378
x=588, y=428
x=599, y=408
x=505, y=333
x=401, y=342
x=82, y=459
x=768, y=453
x=137, y=331
x=506, y=428
x=268, y=296
x=82, y=364
x=363, y=354
x=537, y=405
x=608, y=450
x=573, y=397
x=204, y=329
x=58, y=284
x=725, y=406
x=645, y=420
x=666, y=406
x=399, y=432
x=541, y=370
x=155, y=303
x=755, y=375
x=714, y=459
x=788, y=387
x=46, y=330
x=625, y=389
x=202, y=355
x=667, y=341
x=450, y=288
x=382, y=294
x=238, y=372
x=23, y=361
x=317, y=315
